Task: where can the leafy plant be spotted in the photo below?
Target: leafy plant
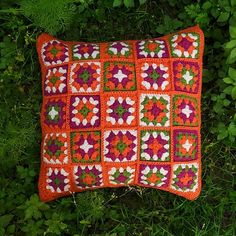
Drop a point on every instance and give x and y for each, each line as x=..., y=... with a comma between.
x=54, y=16
x=127, y=3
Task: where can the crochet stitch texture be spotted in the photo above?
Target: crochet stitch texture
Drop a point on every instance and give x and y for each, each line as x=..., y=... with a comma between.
x=121, y=114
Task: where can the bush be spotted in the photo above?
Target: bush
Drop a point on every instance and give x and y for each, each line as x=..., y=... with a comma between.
x=134, y=211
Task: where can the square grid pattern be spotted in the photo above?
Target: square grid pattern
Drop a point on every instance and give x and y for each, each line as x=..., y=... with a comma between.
x=121, y=113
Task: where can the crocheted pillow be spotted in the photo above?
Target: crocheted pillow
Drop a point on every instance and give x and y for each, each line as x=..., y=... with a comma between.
x=121, y=114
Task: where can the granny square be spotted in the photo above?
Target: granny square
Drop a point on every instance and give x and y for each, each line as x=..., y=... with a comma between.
x=123, y=113
x=119, y=76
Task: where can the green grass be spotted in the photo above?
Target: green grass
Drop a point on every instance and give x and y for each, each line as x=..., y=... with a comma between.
x=123, y=211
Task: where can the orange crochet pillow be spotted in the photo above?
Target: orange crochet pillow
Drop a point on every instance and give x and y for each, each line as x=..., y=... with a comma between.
x=121, y=114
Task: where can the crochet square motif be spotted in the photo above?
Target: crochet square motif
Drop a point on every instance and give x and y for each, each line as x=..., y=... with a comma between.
x=123, y=113
x=85, y=146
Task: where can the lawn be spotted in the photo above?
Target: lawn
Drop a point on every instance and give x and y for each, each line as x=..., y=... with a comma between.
x=123, y=211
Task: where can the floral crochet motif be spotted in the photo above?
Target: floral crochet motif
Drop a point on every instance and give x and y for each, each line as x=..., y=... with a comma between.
x=185, y=111
x=154, y=110
x=186, y=76
x=85, y=77
x=154, y=175
x=88, y=176
x=120, y=145
x=155, y=145
x=120, y=111
x=119, y=49
x=185, y=145
x=185, y=177
x=85, y=146
x=54, y=112
x=155, y=76
x=56, y=79
x=119, y=76
x=57, y=180
x=55, y=148
x=152, y=48
x=86, y=51
x=84, y=111
x=185, y=45
x=54, y=53
x=121, y=175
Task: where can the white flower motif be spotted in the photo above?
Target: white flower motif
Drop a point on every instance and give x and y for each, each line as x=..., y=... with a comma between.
x=187, y=111
x=187, y=77
x=187, y=145
x=120, y=76
x=86, y=146
x=53, y=113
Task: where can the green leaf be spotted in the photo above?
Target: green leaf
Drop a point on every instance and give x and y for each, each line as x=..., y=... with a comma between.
x=5, y=220
x=85, y=222
x=142, y=1
x=2, y=232
x=222, y=135
x=228, y=90
x=218, y=107
x=231, y=44
x=232, y=129
x=214, y=12
x=228, y=80
x=224, y=16
x=232, y=31
x=223, y=4
x=214, y=98
x=232, y=56
x=34, y=207
x=226, y=102
x=160, y=29
x=129, y=3
x=222, y=95
x=221, y=126
x=117, y=3
x=232, y=73
x=206, y=5
x=11, y=229
x=233, y=93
